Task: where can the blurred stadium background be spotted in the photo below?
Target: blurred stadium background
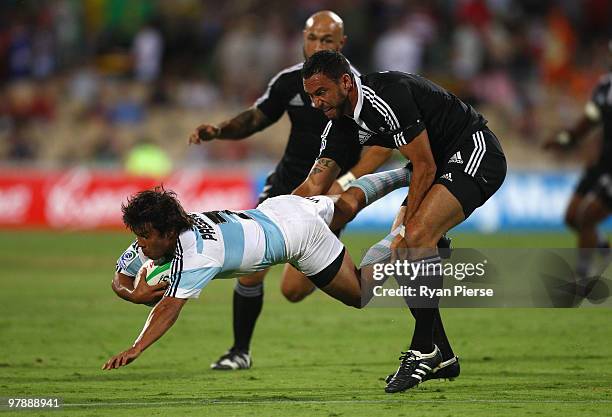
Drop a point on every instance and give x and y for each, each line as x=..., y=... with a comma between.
x=93, y=93
x=89, y=89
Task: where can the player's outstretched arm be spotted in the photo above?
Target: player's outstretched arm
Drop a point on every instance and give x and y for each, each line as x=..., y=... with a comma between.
x=418, y=151
x=161, y=318
x=371, y=159
x=243, y=125
x=143, y=293
x=566, y=138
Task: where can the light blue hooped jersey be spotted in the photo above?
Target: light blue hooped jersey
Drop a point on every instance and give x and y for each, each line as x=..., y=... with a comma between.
x=221, y=244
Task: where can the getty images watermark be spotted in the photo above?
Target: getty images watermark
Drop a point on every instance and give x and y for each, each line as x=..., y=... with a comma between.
x=405, y=270
x=491, y=278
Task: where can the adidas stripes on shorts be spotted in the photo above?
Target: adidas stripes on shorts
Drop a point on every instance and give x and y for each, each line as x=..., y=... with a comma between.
x=475, y=170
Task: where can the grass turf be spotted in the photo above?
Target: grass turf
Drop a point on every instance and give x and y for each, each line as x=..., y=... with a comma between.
x=60, y=321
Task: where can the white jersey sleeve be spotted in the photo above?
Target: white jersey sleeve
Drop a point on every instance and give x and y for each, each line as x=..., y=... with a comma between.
x=131, y=260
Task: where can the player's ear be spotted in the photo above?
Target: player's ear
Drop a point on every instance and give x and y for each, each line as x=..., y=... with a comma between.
x=347, y=81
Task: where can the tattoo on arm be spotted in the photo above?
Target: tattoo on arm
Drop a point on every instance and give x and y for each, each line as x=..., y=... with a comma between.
x=321, y=177
x=245, y=124
x=322, y=165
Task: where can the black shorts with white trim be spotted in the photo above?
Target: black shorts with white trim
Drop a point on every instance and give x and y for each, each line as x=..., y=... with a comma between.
x=475, y=170
x=597, y=181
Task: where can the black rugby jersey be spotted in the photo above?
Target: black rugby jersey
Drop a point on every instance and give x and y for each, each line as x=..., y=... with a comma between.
x=286, y=93
x=393, y=108
x=602, y=99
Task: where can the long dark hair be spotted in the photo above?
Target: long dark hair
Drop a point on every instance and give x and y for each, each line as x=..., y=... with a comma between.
x=157, y=208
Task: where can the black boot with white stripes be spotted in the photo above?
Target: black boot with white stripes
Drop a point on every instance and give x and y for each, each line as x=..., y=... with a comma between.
x=413, y=369
x=233, y=359
x=449, y=370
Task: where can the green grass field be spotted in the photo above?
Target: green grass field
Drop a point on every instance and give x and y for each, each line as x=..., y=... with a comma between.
x=60, y=321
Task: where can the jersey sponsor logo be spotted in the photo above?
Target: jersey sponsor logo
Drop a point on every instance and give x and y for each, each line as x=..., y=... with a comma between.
x=456, y=159
x=126, y=259
x=364, y=136
x=448, y=176
x=296, y=101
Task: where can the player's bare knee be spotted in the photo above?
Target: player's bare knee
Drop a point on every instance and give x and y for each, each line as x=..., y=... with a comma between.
x=294, y=295
x=357, y=199
x=348, y=204
x=420, y=236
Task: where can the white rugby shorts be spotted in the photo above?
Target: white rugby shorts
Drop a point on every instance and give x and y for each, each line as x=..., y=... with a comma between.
x=304, y=222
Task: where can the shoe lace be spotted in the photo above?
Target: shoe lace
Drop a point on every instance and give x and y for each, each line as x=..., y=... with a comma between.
x=407, y=357
x=408, y=363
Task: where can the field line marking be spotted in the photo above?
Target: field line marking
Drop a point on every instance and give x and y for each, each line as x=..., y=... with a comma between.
x=288, y=401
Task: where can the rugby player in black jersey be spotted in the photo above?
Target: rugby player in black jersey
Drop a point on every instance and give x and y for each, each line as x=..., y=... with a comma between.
x=458, y=164
x=591, y=202
x=323, y=30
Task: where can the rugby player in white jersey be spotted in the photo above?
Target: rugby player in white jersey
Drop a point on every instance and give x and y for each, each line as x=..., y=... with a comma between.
x=221, y=244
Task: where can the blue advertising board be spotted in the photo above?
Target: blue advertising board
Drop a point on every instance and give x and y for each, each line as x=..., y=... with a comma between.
x=527, y=201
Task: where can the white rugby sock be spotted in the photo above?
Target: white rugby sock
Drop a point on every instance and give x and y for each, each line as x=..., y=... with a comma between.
x=379, y=184
x=381, y=251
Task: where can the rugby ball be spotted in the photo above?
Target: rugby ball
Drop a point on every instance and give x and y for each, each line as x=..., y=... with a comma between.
x=155, y=273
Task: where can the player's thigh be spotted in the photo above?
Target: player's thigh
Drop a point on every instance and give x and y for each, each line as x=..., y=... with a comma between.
x=345, y=285
x=439, y=211
x=254, y=278
x=295, y=285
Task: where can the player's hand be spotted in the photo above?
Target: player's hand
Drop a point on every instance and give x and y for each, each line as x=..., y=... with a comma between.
x=144, y=293
x=399, y=249
x=122, y=359
x=399, y=243
x=204, y=133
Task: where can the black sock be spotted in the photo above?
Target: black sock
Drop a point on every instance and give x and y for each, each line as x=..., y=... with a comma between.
x=439, y=335
x=426, y=312
x=440, y=339
x=422, y=338
x=248, y=302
